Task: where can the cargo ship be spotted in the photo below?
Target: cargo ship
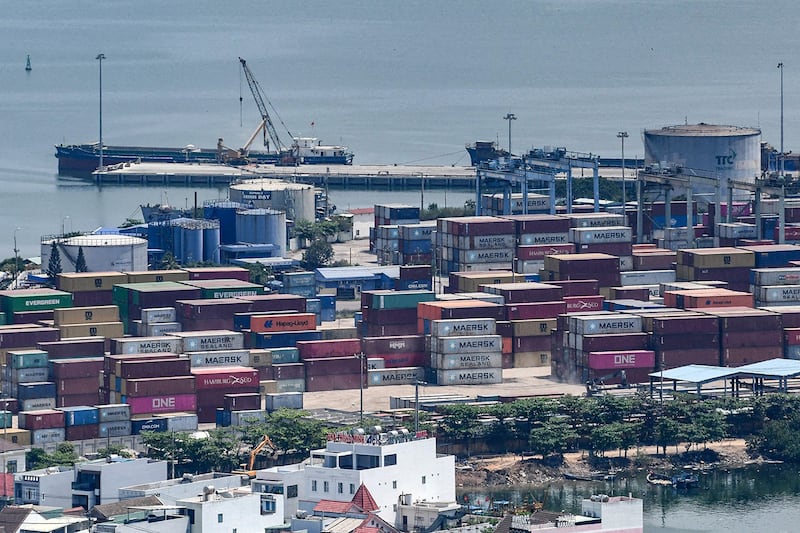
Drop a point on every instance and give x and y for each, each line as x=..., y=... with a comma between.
x=82, y=159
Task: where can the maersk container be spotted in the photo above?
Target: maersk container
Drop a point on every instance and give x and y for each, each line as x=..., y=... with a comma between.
x=156, y=425
x=588, y=325
x=601, y=235
x=781, y=293
x=290, y=385
x=120, y=428
x=27, y=359
x=248, y=417
x=158, y=315
x=113, y=412
x=482, y=376
x=467, y=344
x=454, y=361
x=166, y=344
x=207, y=341
x=41, y=437
x=463, y=327
x=80, y=415
x=551, y=239
x=284, y=400
x=40, y=389
x=27, y=375
x=161, y=329
x=181, y=422
x=775, y=276
x=37, y=404
x=221, y=358
x=395, y=376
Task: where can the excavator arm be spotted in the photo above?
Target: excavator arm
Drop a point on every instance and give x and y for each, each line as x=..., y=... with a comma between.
x=248, y=468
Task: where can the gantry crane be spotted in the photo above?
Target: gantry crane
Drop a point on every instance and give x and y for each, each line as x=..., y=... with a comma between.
x=266, y=126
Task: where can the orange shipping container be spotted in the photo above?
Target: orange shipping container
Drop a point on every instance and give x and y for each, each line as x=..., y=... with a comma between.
x=717, y=298
x=288, y=322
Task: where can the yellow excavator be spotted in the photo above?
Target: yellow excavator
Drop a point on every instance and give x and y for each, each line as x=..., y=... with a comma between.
x=247, y=469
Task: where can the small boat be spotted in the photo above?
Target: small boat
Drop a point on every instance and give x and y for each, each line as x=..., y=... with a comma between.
x=28, y=67
x=684, y=479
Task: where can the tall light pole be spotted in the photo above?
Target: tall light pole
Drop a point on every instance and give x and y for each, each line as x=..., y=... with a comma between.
x=16, y=259
x=782, y=166
x=509, y=117
x=362, y=358
x=100, y=58
x=622, y=135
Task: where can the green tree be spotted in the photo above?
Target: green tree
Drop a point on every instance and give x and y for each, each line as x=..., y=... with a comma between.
x=318, y=254
x=54, y=265
x=606, y=437
x=306, y=231
x=114, y=449
x=552, y=438
x=80, y=262
x=63, y=456
x=168, y=262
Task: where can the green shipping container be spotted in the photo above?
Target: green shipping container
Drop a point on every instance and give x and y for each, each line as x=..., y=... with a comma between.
x=27, y=359
x=3, y=320
x=5, y=419
x=231, y=292
x=402, y=299
x=33, y=300
x=119, y=295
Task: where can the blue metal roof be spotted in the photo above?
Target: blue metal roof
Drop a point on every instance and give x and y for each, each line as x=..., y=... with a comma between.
x=695, y=373
x=784, y=368
x=356, y=273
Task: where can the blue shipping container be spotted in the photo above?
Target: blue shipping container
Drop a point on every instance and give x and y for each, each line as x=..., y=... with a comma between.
x=774, y=259
x=327, y=301
x=285, y=355
x=156, y=425
x=284, y=339
x=39, y=389
x=82, y=415
x=328, y=315
x=313, y=305
x=223, y=417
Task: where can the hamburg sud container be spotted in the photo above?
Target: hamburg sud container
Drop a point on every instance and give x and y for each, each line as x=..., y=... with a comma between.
x=230, y=378
x=166, y=344
x=207, y=341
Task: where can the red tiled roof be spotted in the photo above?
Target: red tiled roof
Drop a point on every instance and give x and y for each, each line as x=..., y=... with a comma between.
x=366, y=529
x=364, y=499
x=331, y=506
x=361, y=211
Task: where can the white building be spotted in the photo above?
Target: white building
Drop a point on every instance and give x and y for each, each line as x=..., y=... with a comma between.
x=599, y=514
x=172, y=490
x=233, y=511
x=388, y=465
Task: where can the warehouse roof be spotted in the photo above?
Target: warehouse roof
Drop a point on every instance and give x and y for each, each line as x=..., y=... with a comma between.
x=697, y=374
x=773, y=368
x=355, y=273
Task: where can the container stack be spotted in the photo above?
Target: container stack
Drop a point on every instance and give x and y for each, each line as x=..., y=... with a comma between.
x=748, y=335
x=207, y=314
x=731, y=265
x=687, y=338
x=385, y=235
x=537, y=237
x=81, y=422
x=91, y=288
x=387, y=244
x=732, y=233
x=465, y=352
x=676, y=238
x=390, y=313
x=476, y=243
x=471, y=281
x=157, y=321
x=612, y=240
x=415, y=243
x=96, y=321
x=601, y=267
x=150, y=383
x=24, y=366
x=131, y=298
x=415, y=277
x=36, y=395
x=114, y=420
x=457, y=310
x=494, y=204
x=299, y=283
x=531, y=344
x=214, y=383
x=775, y=286
x=333, y=364
x=76, y=380
x=46, y=425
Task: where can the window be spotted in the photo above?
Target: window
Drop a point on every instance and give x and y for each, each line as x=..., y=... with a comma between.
x=219, y=518
x=544, y=357
x=313, y=485
x=325, y=486
x=11, y=467
x=390, y=460
x=267, y=504
x=291, y=491
x=423, y=480
x=394, y=484
x=352, y=488
x=340, y=488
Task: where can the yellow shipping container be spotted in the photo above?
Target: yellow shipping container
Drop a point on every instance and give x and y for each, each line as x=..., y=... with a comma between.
x=90, y=281
x=533, y=327
x=109, y=330
x=154, y=276
x=21, y=437
x=85, y=315
x=267, y=387
x=717, y=258
x=531, y=359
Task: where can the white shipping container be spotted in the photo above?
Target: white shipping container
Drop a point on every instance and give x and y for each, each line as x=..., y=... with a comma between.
x=532, y=239
x=625, y=263
x=208, y=341
x=290, y=385
x=646, y=277
x=486, y=242
x=776, y=276
x=678, y=234
x=601, y=235
x=28, y=375
x=120, y=428
x=245, y=418
x=395, y=376
x=619, y=323
x=47, y=436
x=461, y=327
x=159, y=344
x=780, y=293
x=220, y=358
x=113, y=412
x=595, y=220
x=736, y=230
x=529, y=267
x=454, y=361
x=181, y=422
x=163, y=328
x=284, y=400
x=36, y=404
x=487, y=256
x=467, y=344
x=375, y=363
x=483, y=376
x=158, y=315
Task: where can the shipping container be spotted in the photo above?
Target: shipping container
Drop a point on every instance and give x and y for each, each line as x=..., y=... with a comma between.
x=587, y=325
x=40, y=419
x=396, y=376
x=206, y=341
x=155, y=424
x=158, y=315
x=160, y=386
x=81, y=315
x=19, y=359
x=231, y=378
x=37, y=404
x=72, y=348
x=40, y=437
x=484, y=376
x=80, y=415
x=329, y=348
x=121, y=428
x=166, y=344
x=467, y=344
x=168, y=403
x=21, y=437
x=181, y=422
x=249, y=417
x=286, y=322
x=285, y=400
x=31, y=391
x=454, y=361
x=83, y=432
x=149, y=368
x=113, y=412
x=622, y=359
x=99, y=329
x=471, y=327
x=90, y=281
x=22, y=300
x=26, y=375
x=220, y=358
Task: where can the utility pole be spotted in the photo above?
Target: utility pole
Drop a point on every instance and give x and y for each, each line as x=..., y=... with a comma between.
x=783, y=158
x=100, y=58
x=509, y=117
x=416, y=405
x=16, y=259
x=361, y=360
x=622, y=135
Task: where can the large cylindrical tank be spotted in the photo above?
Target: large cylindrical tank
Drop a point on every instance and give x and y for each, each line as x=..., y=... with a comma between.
x=121, y=253
x=192, y=249
x=262, y=226
x=296, y=199
x=728, y=152
x=211, y=242
x=225, y=212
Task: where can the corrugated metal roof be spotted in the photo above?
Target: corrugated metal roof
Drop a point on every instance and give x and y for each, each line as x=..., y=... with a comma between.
x=343, y=525
x=784, y=368
x=696, y=373
x=354, y=273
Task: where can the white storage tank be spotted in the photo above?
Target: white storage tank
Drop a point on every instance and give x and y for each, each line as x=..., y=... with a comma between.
x=103, y=253
x=296, y=199
x=730, y=152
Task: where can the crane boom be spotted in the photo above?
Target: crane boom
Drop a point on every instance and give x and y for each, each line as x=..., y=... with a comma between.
x=266, y=122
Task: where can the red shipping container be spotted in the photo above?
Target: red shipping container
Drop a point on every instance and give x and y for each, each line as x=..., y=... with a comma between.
x=525, y=292
x=242, y=402
x=328, y=348
x=653, y=260
x=389, y=316
x=679, y=325
x=334, y=366
x=92, y=298
x=532, y=344
x=617, y=341
x=750, y=354
x=171, y=403
x=377, y=330
x=620, y=249
x=413, y=272
x=629, y=293
x=791, y=336
x=677, y=358
x=177, y=366
x=23, y=337
x=67, y=387
x=394, y=344
x=289, y=371
x=539, y=223
x=42, y=419
x=535, y=310
x=752, y=321
x=689, y=341
x=216, y=397
x=287, y=322
x=578, y=287
x=134, y=388
x=206, y=324
x=275, y=302
x=110, y=362
x=211, y=308
x=72, y=348
x=85, y=432
x=402, y=360
x=231, y=377
x=622, y=359
x=87, y=367
x=335, y=382
x=32, y=317
x=584, y=303
x=508, y=346
x=266, y=373
x=538, y=252
x=73, y=400
x=508, y=360
x=742, y=339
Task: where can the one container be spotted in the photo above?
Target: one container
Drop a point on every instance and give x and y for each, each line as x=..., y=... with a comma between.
x=169, y=403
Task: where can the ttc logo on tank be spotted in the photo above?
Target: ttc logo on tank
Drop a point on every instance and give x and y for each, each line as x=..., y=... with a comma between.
x=726, y=161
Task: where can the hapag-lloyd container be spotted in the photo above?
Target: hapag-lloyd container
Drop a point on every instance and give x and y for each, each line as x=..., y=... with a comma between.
x=622, y=359
x=225, y=377
x=165, y=344
x=287, y=322
x=454, y=361
x=587, y=325
x=168, y=403
x=207, y=341
x=113, y=412
x=395, y=376
x=220, y=358
x=463, y=327
x=467, y=344
x=483, y=376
